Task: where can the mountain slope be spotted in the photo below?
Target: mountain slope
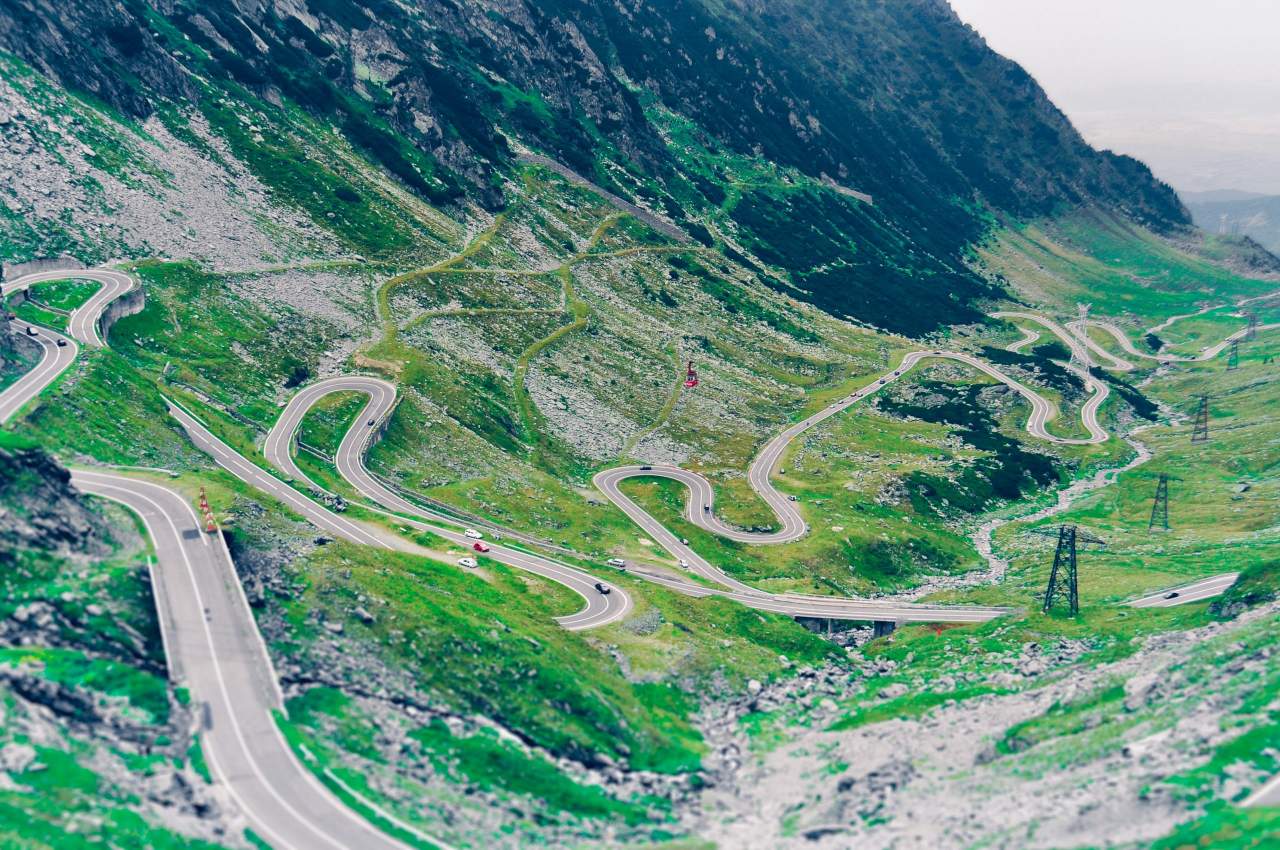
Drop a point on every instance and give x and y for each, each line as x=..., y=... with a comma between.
x=322, y=188
x=899, y=100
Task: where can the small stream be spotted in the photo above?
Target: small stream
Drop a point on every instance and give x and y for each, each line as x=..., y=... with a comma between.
x=982, y=538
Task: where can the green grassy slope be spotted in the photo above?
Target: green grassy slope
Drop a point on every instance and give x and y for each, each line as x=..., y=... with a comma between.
x=538, y=344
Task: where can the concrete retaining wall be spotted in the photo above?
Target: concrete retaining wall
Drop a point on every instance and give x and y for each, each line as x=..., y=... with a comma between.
x=126, y=305
x=9, y=271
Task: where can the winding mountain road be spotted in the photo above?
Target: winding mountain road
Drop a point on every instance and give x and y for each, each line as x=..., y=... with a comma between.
x=211, y=640
x=602, y=608
x=82, y=327
x=599, y=609
x=700, y=506
x=213, y=647
x=54, y=360
x=83, y=324
x=1122, y=339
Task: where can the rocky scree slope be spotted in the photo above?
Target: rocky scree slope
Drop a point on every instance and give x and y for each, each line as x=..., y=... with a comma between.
x=39, y=509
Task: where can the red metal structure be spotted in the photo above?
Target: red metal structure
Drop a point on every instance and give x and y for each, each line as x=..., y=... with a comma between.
x=209, y=526
x=691, y=376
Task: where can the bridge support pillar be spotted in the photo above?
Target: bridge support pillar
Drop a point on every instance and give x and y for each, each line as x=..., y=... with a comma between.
x=884, y=627
x=828, y=626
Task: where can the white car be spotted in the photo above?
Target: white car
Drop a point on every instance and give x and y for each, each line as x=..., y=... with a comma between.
x=684, y=564
x=472, y=533
x=616, y=562
x=466, y=562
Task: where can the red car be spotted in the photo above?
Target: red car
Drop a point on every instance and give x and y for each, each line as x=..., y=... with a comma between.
x=480, y=546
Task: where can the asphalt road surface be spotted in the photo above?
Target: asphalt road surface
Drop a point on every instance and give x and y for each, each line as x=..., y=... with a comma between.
x=1115, y=332
x=350, y=464
x=700, y=505
x=82, y=326
x=215, y=650
x=53, y=362
x=1197, y=591
x=599, y=608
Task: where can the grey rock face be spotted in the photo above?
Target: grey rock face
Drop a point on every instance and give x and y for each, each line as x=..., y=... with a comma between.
x=39, y=509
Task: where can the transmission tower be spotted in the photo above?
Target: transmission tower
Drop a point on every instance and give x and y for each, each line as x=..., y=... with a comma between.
x=1064, y=579
x=1201, y=432
x=1252, y=330
x=1233, y=359
x=1160, y=506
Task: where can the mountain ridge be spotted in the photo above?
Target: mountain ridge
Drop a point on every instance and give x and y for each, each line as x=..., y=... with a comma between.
x=901, y=101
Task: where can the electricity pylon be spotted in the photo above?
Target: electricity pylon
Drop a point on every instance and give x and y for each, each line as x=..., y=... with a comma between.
x=1233, y=359
x=1064, y=577
x=1200, y=434
x=1160, y=506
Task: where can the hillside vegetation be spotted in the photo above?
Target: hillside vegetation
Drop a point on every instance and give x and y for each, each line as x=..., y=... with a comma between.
x=429, y=193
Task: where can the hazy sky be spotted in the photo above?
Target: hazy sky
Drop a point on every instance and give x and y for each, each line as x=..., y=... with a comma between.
x=1192, y=87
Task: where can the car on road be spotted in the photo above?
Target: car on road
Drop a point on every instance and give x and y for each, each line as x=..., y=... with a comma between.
x=472, y=533
x=480, y=546
x=706, y=509
x=616, y=562
x=62, y=343
x=646, y=468
x=602, y=589
x=1173, y=594
x=370, y=423
x=791, y=499
x=684, y=564
x=31, y=331
x=466, y=562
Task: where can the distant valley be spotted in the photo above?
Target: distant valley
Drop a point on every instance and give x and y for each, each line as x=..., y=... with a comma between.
x=1234, y=213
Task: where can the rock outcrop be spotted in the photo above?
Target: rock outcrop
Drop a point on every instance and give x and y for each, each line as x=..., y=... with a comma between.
x=39, y=509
